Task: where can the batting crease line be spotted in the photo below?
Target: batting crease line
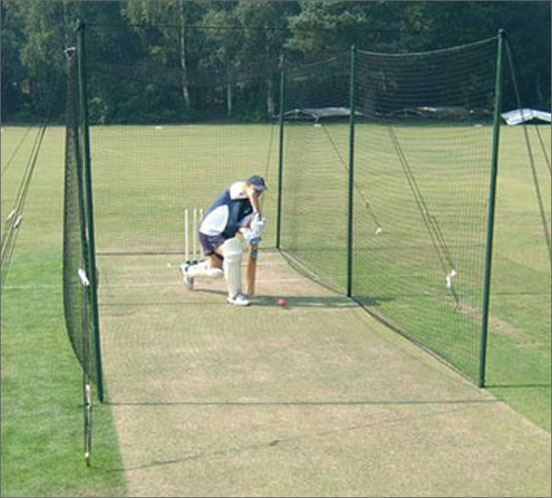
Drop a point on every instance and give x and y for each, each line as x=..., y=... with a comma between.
x=127, y=286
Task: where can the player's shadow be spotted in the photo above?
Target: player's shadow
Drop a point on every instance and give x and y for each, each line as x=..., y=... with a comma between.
x=336, y=301
x=293, y=301
x=303, y=301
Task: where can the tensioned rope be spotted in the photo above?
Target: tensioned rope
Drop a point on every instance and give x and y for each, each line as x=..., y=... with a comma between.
x=534, y=175
x=15, y=217
x=361, y=194
x=9, y=161
x=430, y=220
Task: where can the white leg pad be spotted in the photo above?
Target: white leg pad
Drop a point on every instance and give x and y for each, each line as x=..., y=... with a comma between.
x=204, y=270
x=232, y=252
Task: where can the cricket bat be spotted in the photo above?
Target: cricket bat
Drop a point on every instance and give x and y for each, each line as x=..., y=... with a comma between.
x=251, y=268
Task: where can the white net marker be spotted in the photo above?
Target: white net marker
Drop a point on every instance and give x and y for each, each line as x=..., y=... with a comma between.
x=18, y=221
x=83, y=278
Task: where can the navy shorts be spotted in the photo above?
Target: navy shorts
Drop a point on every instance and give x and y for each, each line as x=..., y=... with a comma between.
x=209, y=243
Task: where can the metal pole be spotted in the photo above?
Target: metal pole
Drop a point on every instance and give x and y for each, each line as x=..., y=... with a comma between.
x=91, y=250
x=490, y=221
x=280, y=154
x=351, y=174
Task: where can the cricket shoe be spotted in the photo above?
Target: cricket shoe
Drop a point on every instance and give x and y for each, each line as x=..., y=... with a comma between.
x=238, y=300
x=188, y=281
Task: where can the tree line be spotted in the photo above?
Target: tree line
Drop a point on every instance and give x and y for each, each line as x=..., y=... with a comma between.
x=156, y=58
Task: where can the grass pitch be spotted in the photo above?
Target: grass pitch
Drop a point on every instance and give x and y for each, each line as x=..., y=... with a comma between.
x=314, y=398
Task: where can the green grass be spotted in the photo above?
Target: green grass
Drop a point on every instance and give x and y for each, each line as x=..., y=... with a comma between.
x=143, y=180
x=519, y=347
x=42, y=416
x=398, y=274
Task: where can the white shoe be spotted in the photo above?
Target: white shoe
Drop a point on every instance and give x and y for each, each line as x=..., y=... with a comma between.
x=238, y=300
x=188, y=281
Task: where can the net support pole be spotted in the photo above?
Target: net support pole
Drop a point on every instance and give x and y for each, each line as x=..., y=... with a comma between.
x=280, y=154
x=351, y=174
x=90, y=245
x=491, y=215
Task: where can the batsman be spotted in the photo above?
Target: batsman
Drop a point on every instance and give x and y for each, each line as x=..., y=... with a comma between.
x=237, y=210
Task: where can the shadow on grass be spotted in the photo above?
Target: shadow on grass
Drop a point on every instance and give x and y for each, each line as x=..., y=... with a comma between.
x=518, y=386
x=327, y=402
x=303, y=301
x=408, y=418
x=269, y=301
x=291, y=301
x=335, y=301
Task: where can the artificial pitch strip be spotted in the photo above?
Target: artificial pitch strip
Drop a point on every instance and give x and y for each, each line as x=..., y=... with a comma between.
x=312, y=399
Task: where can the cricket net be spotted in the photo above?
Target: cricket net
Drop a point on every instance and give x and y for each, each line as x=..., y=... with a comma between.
x=414, y=253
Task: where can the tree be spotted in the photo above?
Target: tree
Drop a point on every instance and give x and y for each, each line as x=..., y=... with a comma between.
x=173, y=58
x=224, y=40
x=323, y=27
x=172, y=39
x=435, y=25
x=13, y=71
x=265, y=31
x=42, y=31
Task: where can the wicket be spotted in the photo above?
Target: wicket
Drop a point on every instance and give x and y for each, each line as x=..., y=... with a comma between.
x=192, y=248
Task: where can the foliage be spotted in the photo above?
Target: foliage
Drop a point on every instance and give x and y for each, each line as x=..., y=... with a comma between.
x=208, y=43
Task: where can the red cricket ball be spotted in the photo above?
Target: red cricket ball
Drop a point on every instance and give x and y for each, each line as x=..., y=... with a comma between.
x=281, y=302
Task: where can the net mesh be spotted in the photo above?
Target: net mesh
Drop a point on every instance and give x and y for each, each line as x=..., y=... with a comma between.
x=75, y=294
x=198, y=130
x=315, y=178
x=422, y=161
